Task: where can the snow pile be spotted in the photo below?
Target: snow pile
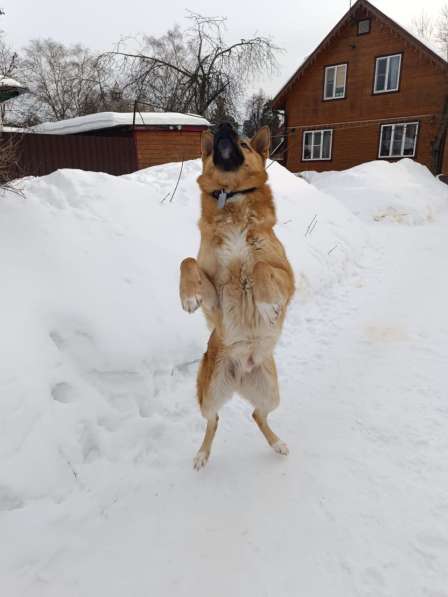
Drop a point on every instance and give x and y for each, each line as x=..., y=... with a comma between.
x=405, y=192
x=93, y=338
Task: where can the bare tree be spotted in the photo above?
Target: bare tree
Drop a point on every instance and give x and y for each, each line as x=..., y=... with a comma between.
x=9, y=62
x=423, y=26
x=8, y=59
x=434, y=30
x=8, y=145
x=255, y=107
x=65, y=81
x=187, y=71
x=259, y=112
x=441, y=33
x=8, y=160
x=224, y=111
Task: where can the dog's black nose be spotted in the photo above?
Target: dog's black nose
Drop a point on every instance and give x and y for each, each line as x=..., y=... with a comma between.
x=227, y=154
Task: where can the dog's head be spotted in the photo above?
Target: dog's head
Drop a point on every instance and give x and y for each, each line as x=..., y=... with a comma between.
x=232, y=162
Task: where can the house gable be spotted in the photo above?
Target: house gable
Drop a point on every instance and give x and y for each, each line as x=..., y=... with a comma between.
x=361, y=10
x=305, y=102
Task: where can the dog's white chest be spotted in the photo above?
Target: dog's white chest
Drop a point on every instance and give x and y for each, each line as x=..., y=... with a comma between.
x=234, y=247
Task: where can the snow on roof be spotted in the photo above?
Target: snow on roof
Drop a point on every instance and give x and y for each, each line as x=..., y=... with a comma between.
x=104, y=120
x=14, y=129
x=8, y=82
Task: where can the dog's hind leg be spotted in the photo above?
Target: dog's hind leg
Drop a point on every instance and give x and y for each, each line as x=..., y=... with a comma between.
x=260, y=388
x=215, y=386
x=201, y=458
x=273, y=440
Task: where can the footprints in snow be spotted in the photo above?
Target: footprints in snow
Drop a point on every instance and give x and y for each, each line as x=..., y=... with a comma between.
x=9, y=500
x=114, y=412
x=63, y=392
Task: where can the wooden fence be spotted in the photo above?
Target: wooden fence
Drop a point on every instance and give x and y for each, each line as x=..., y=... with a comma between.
x=38, y=154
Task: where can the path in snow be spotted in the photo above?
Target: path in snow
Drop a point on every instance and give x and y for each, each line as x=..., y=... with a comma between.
x=359, y=508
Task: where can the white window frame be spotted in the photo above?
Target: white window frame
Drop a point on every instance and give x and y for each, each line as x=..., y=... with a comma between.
x=319, y=159
x=401, y=155
x=335, y=66
x=388, y=58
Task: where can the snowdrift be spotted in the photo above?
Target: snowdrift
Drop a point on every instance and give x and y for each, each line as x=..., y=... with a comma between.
x=94, y=344
x=403, y=192
x=98, y=421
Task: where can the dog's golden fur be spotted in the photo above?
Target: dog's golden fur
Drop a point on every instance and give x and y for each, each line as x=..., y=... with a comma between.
x=243, y=282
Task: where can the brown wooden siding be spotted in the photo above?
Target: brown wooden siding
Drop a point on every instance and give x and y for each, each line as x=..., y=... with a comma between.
x=445, y=157
x=38, y=155
x=423, y=89
x=160, y=147
x=354, y=146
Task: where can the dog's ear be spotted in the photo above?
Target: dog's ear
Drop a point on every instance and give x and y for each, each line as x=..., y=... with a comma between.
x=262, y=141
x=207, y=140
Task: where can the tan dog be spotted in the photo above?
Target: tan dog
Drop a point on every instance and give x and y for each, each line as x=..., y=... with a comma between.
x=241, y=278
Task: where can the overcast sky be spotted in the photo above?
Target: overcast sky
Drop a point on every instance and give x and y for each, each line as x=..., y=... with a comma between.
x=295, y=25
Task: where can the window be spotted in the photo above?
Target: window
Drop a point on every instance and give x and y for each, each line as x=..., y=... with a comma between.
x=335, y=82
x=363, y=26
x=317, y=145
x=398, y=140
x=387, y=73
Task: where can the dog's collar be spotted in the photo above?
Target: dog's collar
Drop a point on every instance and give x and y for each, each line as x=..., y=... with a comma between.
x=222, y=196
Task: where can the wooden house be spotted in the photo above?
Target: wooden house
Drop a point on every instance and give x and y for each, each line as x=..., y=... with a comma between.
x=370, y=90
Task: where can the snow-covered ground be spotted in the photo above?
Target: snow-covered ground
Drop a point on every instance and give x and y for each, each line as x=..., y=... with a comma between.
x=98, y=421
x=403, y=192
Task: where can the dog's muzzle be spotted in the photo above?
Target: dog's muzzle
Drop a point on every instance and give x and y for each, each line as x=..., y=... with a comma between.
x=227, y=154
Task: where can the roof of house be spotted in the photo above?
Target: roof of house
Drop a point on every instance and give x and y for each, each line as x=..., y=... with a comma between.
x=278, y=100
x=105, y=120
x=14, y=129
x=8, y=82
x=10, y=88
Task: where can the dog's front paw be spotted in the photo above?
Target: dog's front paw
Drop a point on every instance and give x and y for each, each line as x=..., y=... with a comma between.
x=200, y=460
x=190, y=303
x=270, y=312
x=190, y=289
x=280, y=448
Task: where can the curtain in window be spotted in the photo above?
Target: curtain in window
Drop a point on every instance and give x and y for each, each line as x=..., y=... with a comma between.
x=381, y=68
x=326, y=146
x=386, y=141
x=307, y=146
x=340, y=81
x=409, y=142
x=330, y=82
x=398, y=139
x=316, y=145
x=394, y=71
